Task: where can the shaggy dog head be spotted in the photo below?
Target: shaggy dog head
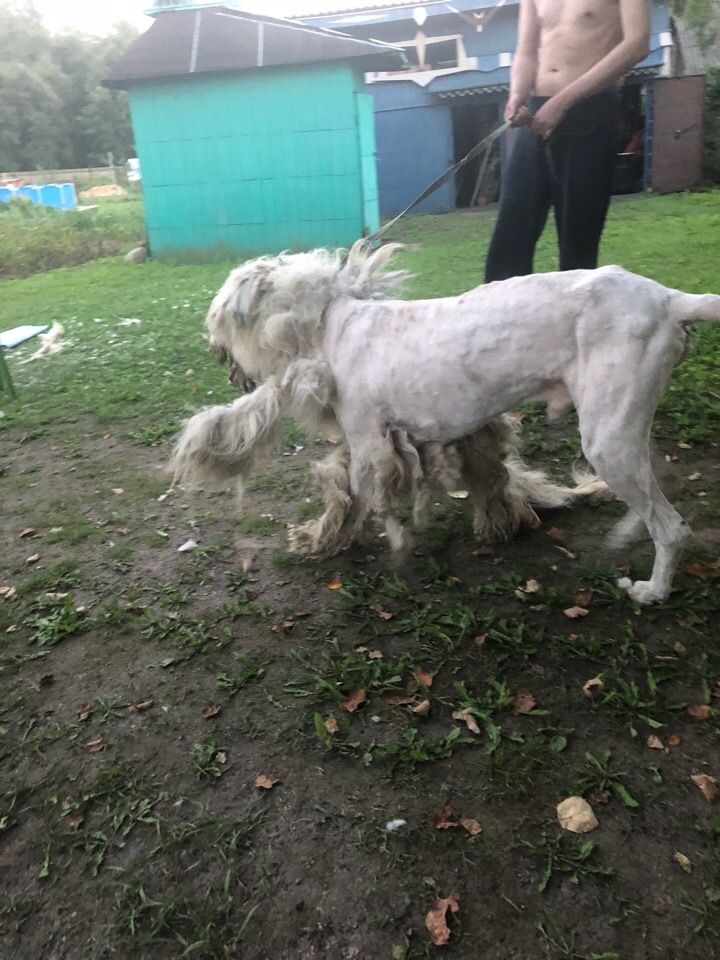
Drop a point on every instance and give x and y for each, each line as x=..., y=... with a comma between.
x=270, y=312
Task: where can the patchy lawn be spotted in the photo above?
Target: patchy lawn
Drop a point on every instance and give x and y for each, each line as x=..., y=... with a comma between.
x=203, y=752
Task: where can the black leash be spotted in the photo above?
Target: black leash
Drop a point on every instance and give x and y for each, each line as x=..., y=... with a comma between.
x=436, y=184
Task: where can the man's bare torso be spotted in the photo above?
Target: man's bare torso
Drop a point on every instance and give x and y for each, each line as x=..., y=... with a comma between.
x=574, y=36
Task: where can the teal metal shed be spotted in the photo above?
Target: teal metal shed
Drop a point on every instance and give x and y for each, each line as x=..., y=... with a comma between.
x=254, y=134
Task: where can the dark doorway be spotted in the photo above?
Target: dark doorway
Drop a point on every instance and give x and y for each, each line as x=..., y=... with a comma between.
x=630, y=166
x=471, y=123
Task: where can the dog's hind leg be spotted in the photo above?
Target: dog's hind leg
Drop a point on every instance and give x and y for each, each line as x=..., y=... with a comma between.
x=618, y=446
x=499, y=508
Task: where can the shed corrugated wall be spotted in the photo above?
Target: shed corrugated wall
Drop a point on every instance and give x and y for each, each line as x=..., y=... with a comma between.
x=257, y=161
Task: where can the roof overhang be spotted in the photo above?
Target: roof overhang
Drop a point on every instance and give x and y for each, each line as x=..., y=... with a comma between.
x=216, y=39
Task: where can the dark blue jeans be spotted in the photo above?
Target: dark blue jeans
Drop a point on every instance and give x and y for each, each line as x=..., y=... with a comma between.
x=572, y=172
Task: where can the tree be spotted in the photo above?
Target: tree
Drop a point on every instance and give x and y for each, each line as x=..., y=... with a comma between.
x=699, y=16
x=54, y=111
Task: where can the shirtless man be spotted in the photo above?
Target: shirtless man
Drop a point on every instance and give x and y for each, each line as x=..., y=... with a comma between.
x=569, y=64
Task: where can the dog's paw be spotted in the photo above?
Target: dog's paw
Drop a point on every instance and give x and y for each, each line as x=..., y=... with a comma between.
x=644, y=591
x=304, y=539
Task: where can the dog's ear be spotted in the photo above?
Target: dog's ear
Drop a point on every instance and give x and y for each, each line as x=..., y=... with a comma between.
x=247, y=292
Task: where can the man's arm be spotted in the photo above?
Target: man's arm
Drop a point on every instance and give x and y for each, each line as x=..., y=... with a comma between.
x=634, y=46
x=525, y=61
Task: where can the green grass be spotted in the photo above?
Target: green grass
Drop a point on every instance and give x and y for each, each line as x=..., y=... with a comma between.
x=148, y=798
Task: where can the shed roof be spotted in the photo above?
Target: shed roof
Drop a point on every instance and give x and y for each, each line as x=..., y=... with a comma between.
x=216, y=39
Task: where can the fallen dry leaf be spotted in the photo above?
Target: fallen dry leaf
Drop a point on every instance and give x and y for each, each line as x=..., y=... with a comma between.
x=655, y=743
x=566, y=553
x=701, y=711
x=467, y=718
x=695, y=476
x=683, y=861
x=188, y=546
x=680, y=649
x=117, y=490
x=576, y=815
x=398, y=699
x=524, y=701
x=140, y=707
x=422, y=709
x=76, y=821
x=472, y=826
x=335, y=581
x=436, y=919
x=593, y=687
x=8, y=593
x=33, y=559
x=484, y=552
x=383, y=614
x=707, y=784
x=556, y=533
x=444, y=819
x=84, y=711
x=353, y=701
x=221, y=757
x=210, y=712
x=266, y=783
x=424, y=678
x=701, y=571
x=582, y=597
x=95, y=746
x=331, y=725
x=245, y=563
x=27, y=532
x=674, y=740
x=572, y=613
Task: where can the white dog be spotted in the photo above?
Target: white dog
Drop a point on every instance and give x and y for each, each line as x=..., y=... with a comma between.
x=404, y=379
x=222, y=444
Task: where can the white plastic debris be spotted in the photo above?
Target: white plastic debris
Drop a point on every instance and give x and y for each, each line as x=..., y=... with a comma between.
x=187, y=547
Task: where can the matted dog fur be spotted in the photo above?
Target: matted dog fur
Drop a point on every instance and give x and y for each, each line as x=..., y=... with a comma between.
x=420, y=389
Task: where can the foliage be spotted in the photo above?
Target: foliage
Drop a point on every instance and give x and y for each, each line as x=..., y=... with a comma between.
x=712, y=125
x=34, y=238
x=54, y=113
x=698, y=15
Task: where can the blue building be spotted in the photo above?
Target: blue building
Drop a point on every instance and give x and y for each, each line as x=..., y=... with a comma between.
x=454, y=88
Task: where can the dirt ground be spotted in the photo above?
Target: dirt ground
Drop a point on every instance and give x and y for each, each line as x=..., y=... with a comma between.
x=144, y=690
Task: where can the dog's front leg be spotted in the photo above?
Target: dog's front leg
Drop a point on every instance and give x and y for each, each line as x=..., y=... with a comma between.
x=329, y=534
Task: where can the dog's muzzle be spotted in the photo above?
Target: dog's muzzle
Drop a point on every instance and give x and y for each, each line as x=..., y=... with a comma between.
x=238, y=377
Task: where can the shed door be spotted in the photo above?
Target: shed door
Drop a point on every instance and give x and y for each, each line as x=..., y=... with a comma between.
x=677, y=133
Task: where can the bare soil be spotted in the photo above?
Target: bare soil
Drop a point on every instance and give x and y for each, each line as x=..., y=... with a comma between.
x=131, y=824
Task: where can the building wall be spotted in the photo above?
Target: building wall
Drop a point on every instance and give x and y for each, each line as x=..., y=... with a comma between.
x=258, y=161
x=413, y=111
x=414, y=145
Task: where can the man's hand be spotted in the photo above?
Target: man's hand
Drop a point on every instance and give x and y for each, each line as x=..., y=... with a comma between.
x=548, y=117
x=517, y=114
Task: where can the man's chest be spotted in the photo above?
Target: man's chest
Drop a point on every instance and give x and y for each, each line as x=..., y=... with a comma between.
x=577, y=14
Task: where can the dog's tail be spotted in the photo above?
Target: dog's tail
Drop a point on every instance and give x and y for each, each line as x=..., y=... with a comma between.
x=689, y=308
x=534, y=487
x=220, y=445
